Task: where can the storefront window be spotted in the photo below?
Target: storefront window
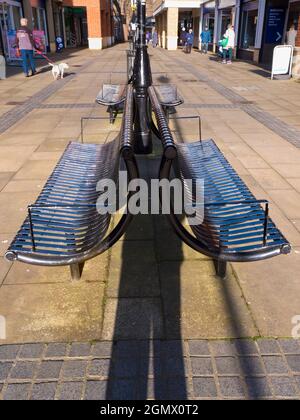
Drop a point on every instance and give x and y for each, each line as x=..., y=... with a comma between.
x=249, y=22
x=10, y=14
x=293, y=23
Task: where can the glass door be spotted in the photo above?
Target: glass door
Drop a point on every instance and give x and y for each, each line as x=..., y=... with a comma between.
x=10, y=15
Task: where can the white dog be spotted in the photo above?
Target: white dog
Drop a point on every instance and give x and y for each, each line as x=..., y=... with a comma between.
x=58, y=70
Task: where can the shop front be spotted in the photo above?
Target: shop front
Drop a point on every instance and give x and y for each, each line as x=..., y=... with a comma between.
x=293, y=35
x=75, y=23
x=10, y=14
x=248, y=29
x=226, y=15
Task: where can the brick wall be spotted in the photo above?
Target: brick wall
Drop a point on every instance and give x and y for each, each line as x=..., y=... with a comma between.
x=298, y=34
x=98, y=16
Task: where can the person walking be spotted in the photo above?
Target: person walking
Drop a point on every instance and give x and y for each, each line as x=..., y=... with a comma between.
x=183, y=38
x=148, y=37
x=154, y=38
x=229, y=47
x=25, y=45
x=205, y=40
x=189, y=41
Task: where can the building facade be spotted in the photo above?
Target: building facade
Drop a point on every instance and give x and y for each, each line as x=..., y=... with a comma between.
x=76, y=22
x=259, y=25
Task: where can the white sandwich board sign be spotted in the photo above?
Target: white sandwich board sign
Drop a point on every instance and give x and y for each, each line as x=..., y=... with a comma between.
x=282, y=60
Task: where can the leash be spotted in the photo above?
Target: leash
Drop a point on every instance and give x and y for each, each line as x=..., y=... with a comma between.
x=44, y=56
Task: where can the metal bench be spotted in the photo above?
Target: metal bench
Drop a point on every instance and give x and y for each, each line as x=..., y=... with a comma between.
x=168, y=97
x=235, y=226
x=63, y=227
x=112, y=96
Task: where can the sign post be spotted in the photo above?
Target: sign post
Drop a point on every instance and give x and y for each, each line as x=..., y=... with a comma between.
x=275, y=26
x=282, y=60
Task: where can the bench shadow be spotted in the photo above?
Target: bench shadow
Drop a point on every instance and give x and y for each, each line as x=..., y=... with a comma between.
x=144, y=363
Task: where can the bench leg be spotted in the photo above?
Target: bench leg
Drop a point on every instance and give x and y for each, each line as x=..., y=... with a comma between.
x=220, y=267
x=76, y=270
x=111, y=115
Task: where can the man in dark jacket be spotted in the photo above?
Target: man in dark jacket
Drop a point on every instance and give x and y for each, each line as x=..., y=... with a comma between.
x=26, y=47
x=189, y=41
x=183, y=37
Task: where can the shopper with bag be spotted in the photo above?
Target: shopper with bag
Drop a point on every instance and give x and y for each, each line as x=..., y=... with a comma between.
x=25, y=47
x=228, y=45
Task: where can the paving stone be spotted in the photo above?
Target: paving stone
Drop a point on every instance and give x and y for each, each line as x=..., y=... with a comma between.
x=122, y=389
x=102, y=349
x=222, y=348
x=17, y=392
x=9, y=352
x=56, y=350
x=284, y=386
x=125, y=367
x=149, y=389
x=126, y=349
x=204, y=387
x=268, y=346
x=246, y=347
x=275, y=364
x=201, y=366
x=31, y=351
x=297, y=379
x=258, y=387
x=71, y=390
x=290, y=346
x=4, y=370
x=294, y=363
x=74, y=368
x=177, y=389
x=49, y=369
x=23, y=370
x=43, y=391
x=80, y=349
x=150, y=366
x=132, y=318
x=175, y=366
x=95, y=390
x=199, y=348
x=251, y=365
x=231, y=387
x=227, y=365
x=172, y=348
x=99, y=367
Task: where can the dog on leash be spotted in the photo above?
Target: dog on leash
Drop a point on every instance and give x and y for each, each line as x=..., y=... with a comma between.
x=58, y=70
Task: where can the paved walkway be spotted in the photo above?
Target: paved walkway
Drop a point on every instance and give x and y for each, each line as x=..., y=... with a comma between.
x=194, y=369
x=150, y=286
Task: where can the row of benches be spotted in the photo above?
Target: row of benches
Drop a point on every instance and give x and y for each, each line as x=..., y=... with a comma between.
x=113, y=96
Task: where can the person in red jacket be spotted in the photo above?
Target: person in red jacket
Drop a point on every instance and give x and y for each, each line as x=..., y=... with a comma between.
x=26, y=47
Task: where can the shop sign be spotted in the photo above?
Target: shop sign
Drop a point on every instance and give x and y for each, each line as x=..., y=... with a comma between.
x=282, y=60
x=275, y=26
x=39, y=40
x=59, y=43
